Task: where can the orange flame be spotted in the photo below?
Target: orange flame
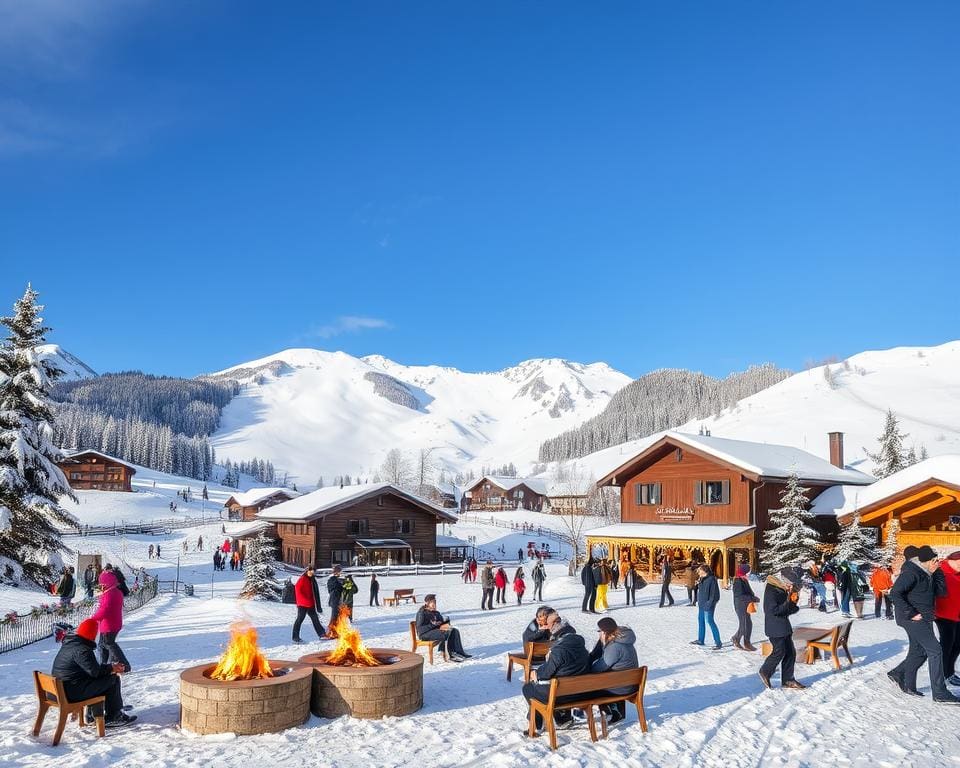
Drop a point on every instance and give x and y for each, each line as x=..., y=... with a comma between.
x=350, y=650
x=243, y=659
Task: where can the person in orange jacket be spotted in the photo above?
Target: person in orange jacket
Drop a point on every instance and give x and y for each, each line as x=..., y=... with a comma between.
x=881, y=582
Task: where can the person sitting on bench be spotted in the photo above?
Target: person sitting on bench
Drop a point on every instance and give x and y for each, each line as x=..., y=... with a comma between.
x=615, y=650
x=537, y=630
x=568, y=656
x=84, y=677
x=432, y=626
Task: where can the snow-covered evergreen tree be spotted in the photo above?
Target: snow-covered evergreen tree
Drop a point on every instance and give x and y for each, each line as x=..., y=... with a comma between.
x=888, y=553
x=260, y=582
x=790, y=540
x=31, y=483
x=856, y=544
x=891, y=457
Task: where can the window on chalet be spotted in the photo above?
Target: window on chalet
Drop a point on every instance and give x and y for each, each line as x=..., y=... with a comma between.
x=518, y=494
x=358, y=527
x=74, y=475
x=493, y=499
x=648, y=494
x=711, y=492
x=379, y=501
x=403, y=526
x=342, y=554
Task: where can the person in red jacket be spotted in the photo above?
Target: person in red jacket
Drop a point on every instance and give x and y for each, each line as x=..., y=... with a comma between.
x=881, y=582
x=946, y=610
x=501, y=581
x=109, y=618
x=307, y=596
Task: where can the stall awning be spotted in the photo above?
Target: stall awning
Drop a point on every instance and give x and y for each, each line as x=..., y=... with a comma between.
x=670, y=532
x=382, y=544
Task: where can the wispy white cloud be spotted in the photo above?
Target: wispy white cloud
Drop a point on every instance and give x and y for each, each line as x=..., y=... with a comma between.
x=346, y=324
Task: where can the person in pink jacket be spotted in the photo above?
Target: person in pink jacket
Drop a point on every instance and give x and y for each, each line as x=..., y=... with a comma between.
x=109, y=618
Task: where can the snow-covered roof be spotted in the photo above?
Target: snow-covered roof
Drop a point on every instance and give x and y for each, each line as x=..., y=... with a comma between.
x=673, y=531
x=325, y=500
x=108, y=457
x=761, y=459
x=251, y=528
x=255, y=495
x=451, y=541
x=845, y=499
x=537, y=484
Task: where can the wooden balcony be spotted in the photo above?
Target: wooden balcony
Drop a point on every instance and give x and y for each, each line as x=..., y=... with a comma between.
x=933, y=538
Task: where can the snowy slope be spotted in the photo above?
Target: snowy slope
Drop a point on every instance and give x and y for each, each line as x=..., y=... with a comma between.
x=920, y=384
x=73, y=367
x=317, y=413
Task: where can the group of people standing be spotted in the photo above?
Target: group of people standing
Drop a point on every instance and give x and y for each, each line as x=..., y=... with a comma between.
x=599, y=575
x=496, y=580
x=340, y=592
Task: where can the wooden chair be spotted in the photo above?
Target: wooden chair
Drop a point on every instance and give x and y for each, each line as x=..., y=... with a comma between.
x=837, y=640
x=592, y=687
x=532, y=653
x=428, y=644
x=50, y=694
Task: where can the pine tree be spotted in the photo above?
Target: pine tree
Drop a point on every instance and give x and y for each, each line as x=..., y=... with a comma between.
x=856, y=544
x=891, y=457
x=790, y=540
x=31, y=483
x=888, y=553
x=259, y=582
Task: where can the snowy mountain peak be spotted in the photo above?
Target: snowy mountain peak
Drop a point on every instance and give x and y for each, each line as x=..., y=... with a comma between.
x=72, y=366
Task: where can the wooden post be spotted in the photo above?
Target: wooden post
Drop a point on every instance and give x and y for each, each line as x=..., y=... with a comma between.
x=726, y=568
x=652, y=550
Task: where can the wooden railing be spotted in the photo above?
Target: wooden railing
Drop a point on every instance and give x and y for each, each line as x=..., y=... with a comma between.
x=932, y=538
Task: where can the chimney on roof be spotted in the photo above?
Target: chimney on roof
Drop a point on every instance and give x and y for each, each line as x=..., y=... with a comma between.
x=836, y=449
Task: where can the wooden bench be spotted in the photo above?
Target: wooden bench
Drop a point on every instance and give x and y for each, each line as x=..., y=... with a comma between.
x=406, y=595
x=428, y=644
x=591, y=691
x=50, y=693
x=532, y=653
x=809, y=641
x=837, y=639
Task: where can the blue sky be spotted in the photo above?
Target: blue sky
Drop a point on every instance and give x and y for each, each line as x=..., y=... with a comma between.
x=701, y=185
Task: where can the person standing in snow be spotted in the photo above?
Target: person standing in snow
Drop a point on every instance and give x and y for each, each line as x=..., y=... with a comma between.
x=589, y=582
x=632, y=581
x=158, y=551
x=89, y=579
x=947, y=612
x=691, y=577
x=914, y=595
x=501, y=583
x=65, y=585
x=615, y=650
x=708, y=595
x=109, y=618
x=487, y=584
x=307, y=598
x=520, y=555
x=539, y=577
x=334, y=592
x=666, y=576
x=374, y=590
x=150, y=552
x=743, y=598
x=780, y=598
x=519, y=586
x=473, y=569
x=346, y=594
x=602, y=574
x=881, y=582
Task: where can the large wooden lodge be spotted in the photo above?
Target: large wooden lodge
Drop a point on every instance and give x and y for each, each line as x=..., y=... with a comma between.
x=94, y=471
x=495, y=494
x=245, y=506
x=697, y=497
x=376, y=524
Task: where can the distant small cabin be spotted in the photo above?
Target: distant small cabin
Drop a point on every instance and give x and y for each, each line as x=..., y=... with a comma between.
x=95, y=471
x=494, y=494
x=245, y=506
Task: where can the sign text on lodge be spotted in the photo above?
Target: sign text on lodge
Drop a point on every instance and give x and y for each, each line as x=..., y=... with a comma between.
x=675, y=513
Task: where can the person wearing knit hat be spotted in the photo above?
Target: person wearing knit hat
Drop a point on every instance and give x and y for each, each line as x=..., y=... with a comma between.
x=947, y=613
x=920, y=583
x=779, y=603
x=743, y=598
x=84, y=677
x=909, y=552
x=615, y=650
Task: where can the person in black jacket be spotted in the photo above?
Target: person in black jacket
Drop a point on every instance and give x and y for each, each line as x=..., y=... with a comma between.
x=919, y=584
x=567, y=657
x=334, y=593
x=374, y=590
x=743, y=597
x=708, y=595
x=431, y=625
x=84, y=677
x=537, y=630
x=666, y=576
x=589, y=587
x=779, y=603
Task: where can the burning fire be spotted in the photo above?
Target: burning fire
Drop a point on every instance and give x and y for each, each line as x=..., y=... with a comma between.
x=350, y=650
x=243, y=659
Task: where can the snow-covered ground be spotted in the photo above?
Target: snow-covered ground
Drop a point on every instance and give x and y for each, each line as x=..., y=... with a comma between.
x=705, y=708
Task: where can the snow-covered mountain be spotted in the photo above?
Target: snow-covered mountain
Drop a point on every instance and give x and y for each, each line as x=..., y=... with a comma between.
x=317, y=413
x=73, y=367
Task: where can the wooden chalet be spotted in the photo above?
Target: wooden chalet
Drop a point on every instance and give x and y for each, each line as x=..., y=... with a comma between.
x=377, y=524
x=922, y=500
x=94, y=471
x=495, y=494
x=704, y=498
x=245, y=506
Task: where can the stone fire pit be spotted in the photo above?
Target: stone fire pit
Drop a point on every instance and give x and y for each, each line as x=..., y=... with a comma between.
x=394, y=688
x=245, y=707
